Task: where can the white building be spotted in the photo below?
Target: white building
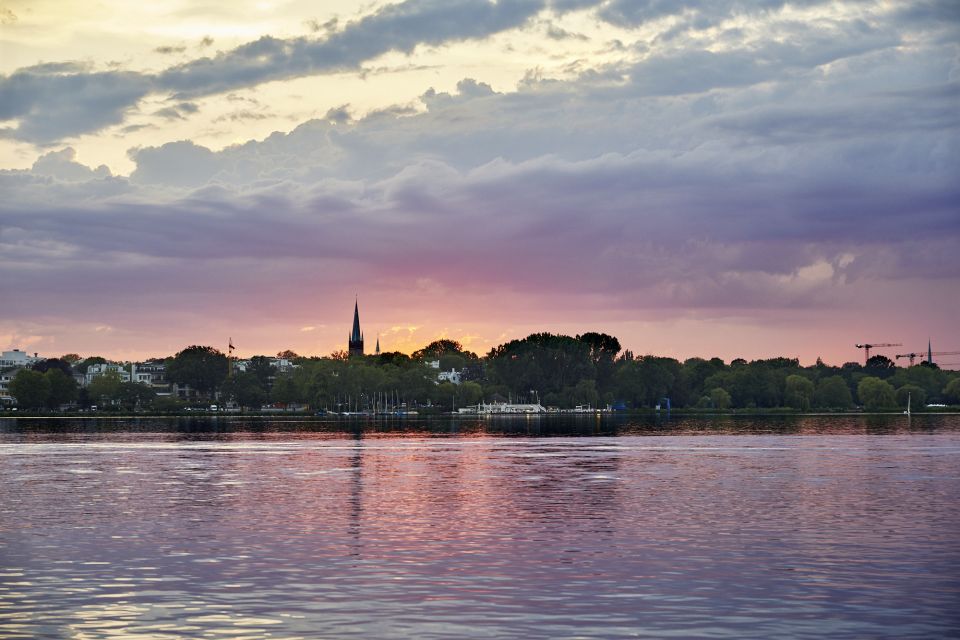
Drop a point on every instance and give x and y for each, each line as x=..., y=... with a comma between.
x=5, y=379
x=449, y=376
x=96, y=370
x=282, y=365
x=17, y=358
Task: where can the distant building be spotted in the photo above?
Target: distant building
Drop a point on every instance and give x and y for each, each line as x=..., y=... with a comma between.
x=17, y=358
x=94, y=371
x=355, y=341
x=6, y=378
x=150, y=373
x=452, y=376
x=283, y=365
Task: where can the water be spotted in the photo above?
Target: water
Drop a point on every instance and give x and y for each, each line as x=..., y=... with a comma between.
x=733, y=528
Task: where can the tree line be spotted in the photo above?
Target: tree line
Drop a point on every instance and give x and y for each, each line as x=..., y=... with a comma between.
x=555, y=370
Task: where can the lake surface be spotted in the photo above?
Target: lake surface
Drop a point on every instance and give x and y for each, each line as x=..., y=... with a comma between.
x=822, y=526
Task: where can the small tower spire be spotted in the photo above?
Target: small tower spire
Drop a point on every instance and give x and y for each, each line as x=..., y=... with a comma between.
x=355, y=343
x=377, y=352
x=929, y=352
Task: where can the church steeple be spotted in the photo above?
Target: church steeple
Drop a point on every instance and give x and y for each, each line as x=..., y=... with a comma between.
x=377, y=352
x=355, y=341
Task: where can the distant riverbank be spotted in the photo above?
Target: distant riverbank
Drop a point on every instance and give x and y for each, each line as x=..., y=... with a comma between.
x=426, y=413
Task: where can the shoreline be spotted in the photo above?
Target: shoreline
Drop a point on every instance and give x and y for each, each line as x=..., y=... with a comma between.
x=448, y=415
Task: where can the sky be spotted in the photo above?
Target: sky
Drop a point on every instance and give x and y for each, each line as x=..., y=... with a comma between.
x=699, y=178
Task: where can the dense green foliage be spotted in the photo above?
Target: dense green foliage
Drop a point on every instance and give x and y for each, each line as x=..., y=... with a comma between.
x=875, y=394
x=36, y=390
x=202, y=368
x=556, y=370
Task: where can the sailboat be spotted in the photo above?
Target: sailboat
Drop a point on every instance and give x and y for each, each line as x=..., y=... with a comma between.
x=907, y=412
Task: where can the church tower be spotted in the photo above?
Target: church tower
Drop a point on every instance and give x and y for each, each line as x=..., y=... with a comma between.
x=355, y=341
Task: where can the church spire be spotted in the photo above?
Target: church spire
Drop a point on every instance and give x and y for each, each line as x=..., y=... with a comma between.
x=377, y=352
x=355, y=343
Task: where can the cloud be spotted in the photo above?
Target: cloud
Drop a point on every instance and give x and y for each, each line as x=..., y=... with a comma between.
x=241, y=115
x=96, y=100
x=101, y=99
x=167, y=50
x=398, y=27
x=727, y=58
x=63, y=166
x=700, y=14
x=789, y=172
x=177, y=111
x=182, y=164
x=339, y=114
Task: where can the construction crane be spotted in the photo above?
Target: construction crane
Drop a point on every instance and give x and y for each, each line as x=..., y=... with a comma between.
x=866, y=348
x=914, y=356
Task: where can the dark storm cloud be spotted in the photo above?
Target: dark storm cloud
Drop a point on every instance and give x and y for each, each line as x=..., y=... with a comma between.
x=706, y=13
x=760, y=175
x=52, y=106
x=401, y=27
x=721, y=224
x=100, y=99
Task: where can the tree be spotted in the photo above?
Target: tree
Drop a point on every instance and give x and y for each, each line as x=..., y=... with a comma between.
x=53, y=363
x=285, y=390
x=30, y=388
x=584, y=392
x=202, y=368
x=450, y=361
x=247, y=389
x=929, y=379
x=694, y=373
x=72, y=358
x=469, y=393
x=720, y=398
x=832, y=392
x=62, y=388
x=288, y=354
x=543, y=361
x=438, y=348
x=85, y=364
x=916, y=395
x=798, y=392
x=880, y=366
x=134, y=395
x=106, y=388
x=394, y=358
x=951, y=392
x=644, y=381
x=875, y=393
x=603, y=351
x=261, y=368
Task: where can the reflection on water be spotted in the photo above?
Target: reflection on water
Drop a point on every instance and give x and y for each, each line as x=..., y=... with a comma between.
x=786, y=527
